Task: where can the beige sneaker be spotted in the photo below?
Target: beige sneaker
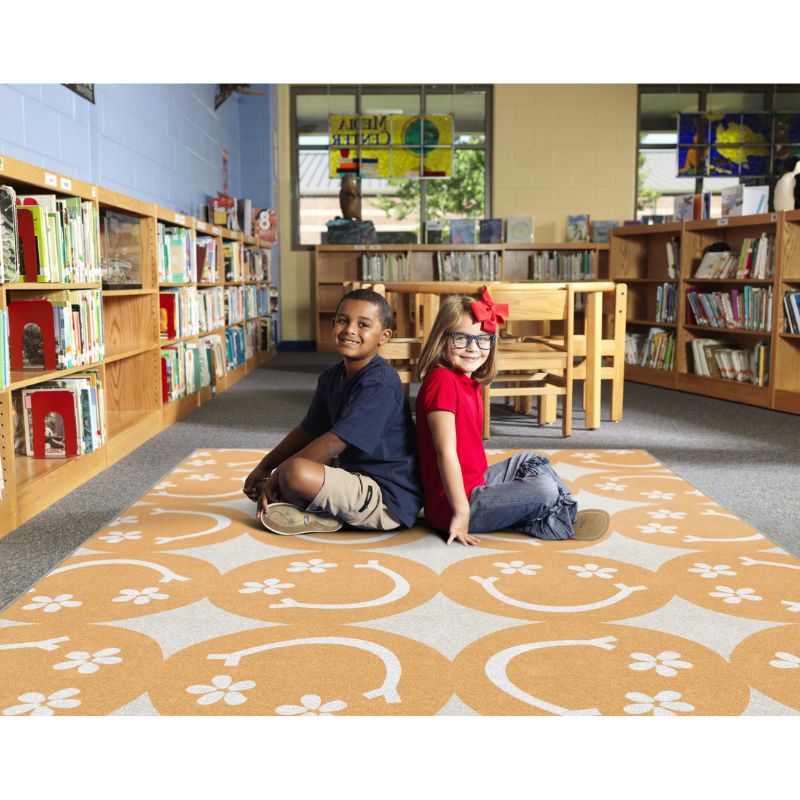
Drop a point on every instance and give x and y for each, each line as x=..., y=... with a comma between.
x=591, y=524
x=288, y=520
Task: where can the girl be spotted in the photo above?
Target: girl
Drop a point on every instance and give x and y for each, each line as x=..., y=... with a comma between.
x=463, y=495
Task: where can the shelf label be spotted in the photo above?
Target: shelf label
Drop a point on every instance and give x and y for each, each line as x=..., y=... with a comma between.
x=1, y=163
x=66, y=184
x=94, y=191
x=772, y=217
x=374, y=247
x=50, y=179
x=201, y=226
x=215, y=230
x=180, y=219
x=359, y=247
x=722, y=221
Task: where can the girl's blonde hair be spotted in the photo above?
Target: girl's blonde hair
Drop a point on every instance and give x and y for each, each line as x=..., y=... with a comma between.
x=434, y=351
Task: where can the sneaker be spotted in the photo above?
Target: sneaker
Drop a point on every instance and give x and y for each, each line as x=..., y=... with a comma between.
x=591, y=524
x=288, y=520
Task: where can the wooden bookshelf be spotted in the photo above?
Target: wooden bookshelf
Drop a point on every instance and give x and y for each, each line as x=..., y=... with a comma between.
x=131, y=370
x=337, y=264
x=639, y=257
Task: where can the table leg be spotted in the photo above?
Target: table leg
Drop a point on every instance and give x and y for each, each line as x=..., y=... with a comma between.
x=594, y=335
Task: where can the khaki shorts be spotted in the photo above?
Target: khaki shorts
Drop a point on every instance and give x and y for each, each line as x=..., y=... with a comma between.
x=355, y=499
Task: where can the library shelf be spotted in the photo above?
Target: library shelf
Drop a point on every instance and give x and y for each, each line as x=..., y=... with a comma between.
x=651, y=323
x=130, y=373
x=639, y=254
x=335, y=265
x=655, y=377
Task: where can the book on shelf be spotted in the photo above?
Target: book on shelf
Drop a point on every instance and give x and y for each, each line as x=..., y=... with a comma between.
x=211, y=308
x=520, y=230
x=658, y=350
x=206, y=258
x=9, y=264
x=561, y=265
x=721, y=358
x=742, y=200
x=673, y=250
x=600, y=229
x=222, y=211
x=462, y=231
x=683, y=208
x=265, y=225
x=244, y=215
x=666, y=302
x=490, y=231
x=791, y=311
x=748, y=308
x=432, y=231
x=177, y=255
x=234, y=262
x=578, y=227
x=468, y=266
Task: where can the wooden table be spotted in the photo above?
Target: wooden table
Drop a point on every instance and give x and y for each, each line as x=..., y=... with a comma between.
x=430, y=291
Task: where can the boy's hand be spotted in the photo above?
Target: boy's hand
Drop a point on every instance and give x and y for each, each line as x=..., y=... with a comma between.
x=253, y=483
x=459, y=530
x=270, y=493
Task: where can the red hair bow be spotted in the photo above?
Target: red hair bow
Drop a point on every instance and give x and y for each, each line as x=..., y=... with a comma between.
x=489, y=313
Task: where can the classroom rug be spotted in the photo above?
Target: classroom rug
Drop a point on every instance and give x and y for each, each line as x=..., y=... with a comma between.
x=184, y=605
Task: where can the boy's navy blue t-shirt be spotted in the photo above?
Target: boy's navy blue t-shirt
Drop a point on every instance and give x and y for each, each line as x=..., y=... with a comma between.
x=369, y=411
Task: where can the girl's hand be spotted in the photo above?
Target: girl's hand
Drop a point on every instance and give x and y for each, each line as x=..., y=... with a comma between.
x=459, y=530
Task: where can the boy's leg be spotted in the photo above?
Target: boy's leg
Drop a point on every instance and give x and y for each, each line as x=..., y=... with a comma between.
x=300, y=481
x=355, y=499
x=525, y=493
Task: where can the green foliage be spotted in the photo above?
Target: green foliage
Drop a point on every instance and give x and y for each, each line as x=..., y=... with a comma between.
x=645, y=198
x=461, y=195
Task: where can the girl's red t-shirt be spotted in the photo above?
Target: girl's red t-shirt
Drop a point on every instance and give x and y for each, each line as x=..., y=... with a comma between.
x=446, y=390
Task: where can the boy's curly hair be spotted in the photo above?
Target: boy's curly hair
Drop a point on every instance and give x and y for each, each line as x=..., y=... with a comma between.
x=379, y=301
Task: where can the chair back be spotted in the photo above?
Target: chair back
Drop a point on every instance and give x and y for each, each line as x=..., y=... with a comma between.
x=542, y=305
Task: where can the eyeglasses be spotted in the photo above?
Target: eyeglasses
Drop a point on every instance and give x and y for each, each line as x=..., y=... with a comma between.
x=461, y=340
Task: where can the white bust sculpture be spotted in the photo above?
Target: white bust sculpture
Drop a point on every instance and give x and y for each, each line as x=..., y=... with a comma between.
x=784, y=189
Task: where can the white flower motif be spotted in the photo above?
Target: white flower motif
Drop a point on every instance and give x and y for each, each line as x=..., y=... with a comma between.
x=665, y=513
x=512, y=567
x=694, y=493
x=200, y=454
x=665, y=664
x=52, y=604
x=708, y=571
x=139, y=598
x=87, y=664
x=791, y=605
x=163, y=485
x=312, y=706
x=586, y=456
x=316, y=565
x=786, y=661
x=621, y=452
x=656, y=495
x=734, y=596
x=657, y=527
x=37, y=705
x=593, y=571
x=114, y=537
x=207, y=476
x=131, y=520
x=664, y=704
x=201, y=463
x=268, y=586
x=611, y=487
x=221, y=689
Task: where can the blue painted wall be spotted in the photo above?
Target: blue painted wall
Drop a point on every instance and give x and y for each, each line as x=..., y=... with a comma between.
x=159, y=142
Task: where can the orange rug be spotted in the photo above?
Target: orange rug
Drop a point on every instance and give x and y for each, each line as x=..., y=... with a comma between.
x=184, y=605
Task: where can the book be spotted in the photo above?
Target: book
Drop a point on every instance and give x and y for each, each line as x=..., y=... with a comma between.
x=743, y=200
x=490, y=231
x=9, y=264
x=578, y=226
x=520, y=230
x=462, y=231
x=433, y=232
x=732, y=201
x=222, y=211
x=684, y=207
x=265, y=224
x=600, y=230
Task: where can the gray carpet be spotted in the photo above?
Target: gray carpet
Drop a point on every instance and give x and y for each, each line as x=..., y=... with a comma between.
x=745, y=458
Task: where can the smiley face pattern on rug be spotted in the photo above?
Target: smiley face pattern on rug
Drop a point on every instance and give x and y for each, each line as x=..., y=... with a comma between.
x=185, y=605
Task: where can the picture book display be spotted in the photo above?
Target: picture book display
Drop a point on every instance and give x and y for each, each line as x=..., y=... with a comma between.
x=462, y=231
x=490, y=231
x=578, y=226
x=520, y=230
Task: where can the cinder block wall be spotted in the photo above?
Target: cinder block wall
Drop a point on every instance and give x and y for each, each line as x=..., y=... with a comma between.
x=159, y=142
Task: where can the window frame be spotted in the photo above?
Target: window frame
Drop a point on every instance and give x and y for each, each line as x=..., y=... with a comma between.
x=357, y=90
x=770, y=92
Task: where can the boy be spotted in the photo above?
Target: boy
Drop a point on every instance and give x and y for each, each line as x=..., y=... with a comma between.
x=359, y=415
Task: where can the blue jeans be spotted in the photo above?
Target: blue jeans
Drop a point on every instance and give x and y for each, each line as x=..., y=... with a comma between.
x=525, y=493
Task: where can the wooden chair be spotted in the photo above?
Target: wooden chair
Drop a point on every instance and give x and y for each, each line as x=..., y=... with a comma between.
x=535, y=369
x=403, y=355
x=612, y=350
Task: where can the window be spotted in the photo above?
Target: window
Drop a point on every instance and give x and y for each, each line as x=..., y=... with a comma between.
x=659, y=105
x=394, y=206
